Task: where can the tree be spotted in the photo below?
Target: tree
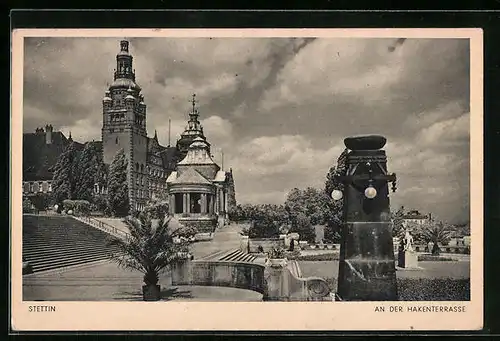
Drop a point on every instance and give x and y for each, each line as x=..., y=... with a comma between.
x=335, y=216
x=88, y=171
x=397, y=222
x=118, y=199
x=63, y=182
x=437, y=233
x=301, y=224
x=310, y=203
x=150, y=248
x=265, y=221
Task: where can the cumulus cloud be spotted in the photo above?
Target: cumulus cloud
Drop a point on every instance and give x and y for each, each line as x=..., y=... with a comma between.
x=279, y=108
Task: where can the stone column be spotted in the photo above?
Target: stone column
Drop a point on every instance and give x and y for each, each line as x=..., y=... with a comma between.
x=210, y=204
x=203, y=203
x=225, y=204
x=217, y=201
x=188, y=201
x=366, y=268
x=172, y=204
x=184, y=203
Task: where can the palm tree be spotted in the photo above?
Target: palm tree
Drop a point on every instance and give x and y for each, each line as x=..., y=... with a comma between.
x=151, y=247
x=435, y=233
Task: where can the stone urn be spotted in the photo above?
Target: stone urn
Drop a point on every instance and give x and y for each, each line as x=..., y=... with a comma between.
x=151, y=293
x=276, y=262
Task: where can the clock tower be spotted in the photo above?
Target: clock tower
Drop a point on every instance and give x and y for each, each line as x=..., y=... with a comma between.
x=124, y=125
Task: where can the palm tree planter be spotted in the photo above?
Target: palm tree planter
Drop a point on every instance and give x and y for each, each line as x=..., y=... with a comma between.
x=276, y=257
x=150, y=249
x=437, y=233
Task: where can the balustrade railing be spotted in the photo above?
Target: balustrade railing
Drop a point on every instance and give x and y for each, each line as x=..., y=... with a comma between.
x=103, y=226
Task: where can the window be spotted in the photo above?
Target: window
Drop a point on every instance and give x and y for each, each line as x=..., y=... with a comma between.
x=116, y=140
x=136, y=166
x=195, y=202
x=45, y=186
x=121, y=130
x=142, y=165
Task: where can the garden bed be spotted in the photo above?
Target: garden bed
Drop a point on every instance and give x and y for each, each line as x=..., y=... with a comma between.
x=318, y=257
x=427, y=289
x=431, y=258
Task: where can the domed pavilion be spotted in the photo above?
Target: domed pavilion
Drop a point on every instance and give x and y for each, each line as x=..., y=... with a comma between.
x=198, y=189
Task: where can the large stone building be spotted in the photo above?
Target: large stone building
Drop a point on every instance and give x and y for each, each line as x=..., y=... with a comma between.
x=124, y=128
x=40, y=152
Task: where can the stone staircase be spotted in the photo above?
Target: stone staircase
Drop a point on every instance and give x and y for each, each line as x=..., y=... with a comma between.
x=230, y=256
x=52, y=242
x=225, y=239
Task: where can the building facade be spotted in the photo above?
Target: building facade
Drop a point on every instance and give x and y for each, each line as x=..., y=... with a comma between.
x=124, y=128
x=40, y=152
x=124, y=115
x=415, y=219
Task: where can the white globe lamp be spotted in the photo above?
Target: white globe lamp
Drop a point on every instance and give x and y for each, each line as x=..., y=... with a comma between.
x=336, y=194
x=370, y=192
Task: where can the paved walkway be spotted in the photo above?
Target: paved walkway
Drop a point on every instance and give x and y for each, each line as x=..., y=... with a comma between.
x=105, y=281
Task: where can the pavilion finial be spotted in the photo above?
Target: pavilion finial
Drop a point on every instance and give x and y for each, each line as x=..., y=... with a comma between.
x=193, y=102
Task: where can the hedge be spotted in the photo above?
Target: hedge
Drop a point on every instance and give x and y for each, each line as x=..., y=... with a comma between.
x=431, y=258
x=77, y=206
x=427, y=289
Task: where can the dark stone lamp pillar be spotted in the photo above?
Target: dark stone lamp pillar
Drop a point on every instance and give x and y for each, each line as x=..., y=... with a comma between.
x=367, y=269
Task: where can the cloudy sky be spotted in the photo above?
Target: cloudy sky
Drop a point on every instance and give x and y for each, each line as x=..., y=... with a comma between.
x=280, y=108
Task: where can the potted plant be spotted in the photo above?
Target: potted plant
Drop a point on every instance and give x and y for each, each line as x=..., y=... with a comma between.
x=150, y=249
x=276, y=256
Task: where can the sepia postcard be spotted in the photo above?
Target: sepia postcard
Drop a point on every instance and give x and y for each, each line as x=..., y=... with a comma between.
x=246, y=180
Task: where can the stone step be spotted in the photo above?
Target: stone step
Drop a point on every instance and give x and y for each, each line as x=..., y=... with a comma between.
x=67, y=262
x=63, y=253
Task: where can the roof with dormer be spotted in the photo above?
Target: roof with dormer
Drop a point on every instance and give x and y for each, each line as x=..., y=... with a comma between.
x=191, y=176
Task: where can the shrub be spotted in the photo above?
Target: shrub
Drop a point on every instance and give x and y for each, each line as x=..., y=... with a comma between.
x=426, y=289
x=276, y=253
x=429, y=258
x=79, y=207
x=40, y=200
x=433, y=289
x=157, y=209
x=319, y=258
x=27, y=206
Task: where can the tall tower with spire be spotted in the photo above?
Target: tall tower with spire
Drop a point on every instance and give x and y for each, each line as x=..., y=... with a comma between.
x=124, y=123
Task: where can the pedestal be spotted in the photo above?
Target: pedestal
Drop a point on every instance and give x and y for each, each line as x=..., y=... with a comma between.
x=367, y=270
x=411, y=260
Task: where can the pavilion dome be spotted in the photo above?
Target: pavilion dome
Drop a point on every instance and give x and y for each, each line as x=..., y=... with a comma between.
x=198, y=153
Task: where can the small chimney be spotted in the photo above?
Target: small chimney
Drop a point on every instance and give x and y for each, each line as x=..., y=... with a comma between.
x=48, y=134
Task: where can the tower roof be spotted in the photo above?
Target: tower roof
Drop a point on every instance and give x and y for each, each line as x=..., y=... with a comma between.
x=124, y=76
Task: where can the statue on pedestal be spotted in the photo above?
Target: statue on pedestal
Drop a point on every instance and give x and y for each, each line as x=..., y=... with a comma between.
x=408, y=242
x=407, y=257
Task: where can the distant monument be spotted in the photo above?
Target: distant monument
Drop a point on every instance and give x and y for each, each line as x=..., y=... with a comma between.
x=367, y=269
x=407, y=258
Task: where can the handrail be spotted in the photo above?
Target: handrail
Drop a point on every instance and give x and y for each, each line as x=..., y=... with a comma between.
x=103, y=226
